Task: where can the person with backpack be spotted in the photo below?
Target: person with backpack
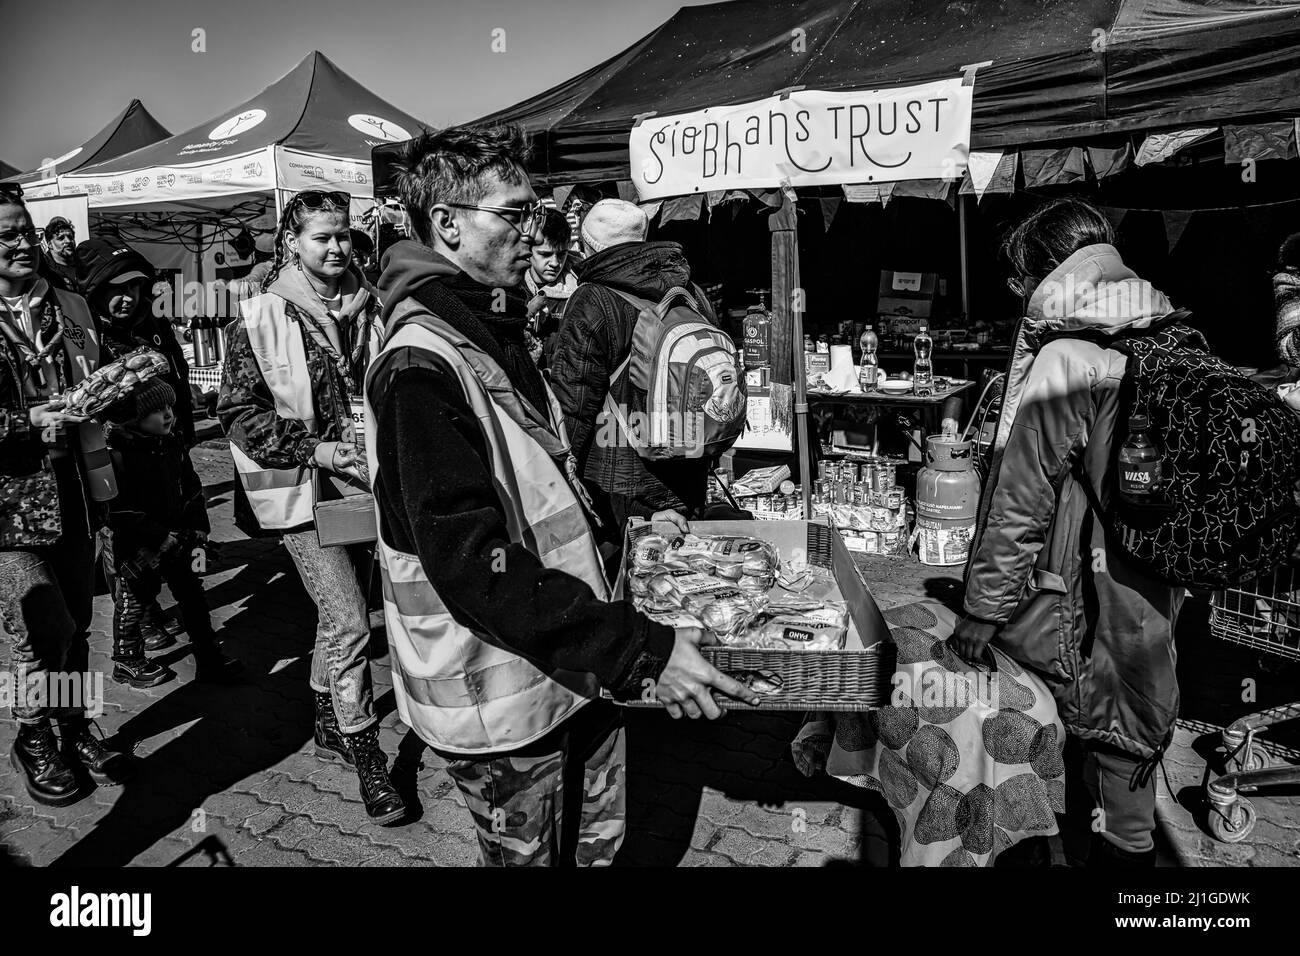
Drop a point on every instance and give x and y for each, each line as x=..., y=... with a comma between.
x=595, y=374
x=1044, y=580
x=499, y=617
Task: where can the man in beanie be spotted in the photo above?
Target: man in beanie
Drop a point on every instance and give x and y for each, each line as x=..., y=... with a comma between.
x=159, y=519
x=595, y=340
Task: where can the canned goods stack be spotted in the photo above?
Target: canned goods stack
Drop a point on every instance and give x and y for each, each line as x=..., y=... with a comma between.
x=862, y=499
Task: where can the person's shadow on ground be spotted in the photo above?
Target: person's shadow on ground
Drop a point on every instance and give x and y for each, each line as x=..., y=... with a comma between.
x=241, y=730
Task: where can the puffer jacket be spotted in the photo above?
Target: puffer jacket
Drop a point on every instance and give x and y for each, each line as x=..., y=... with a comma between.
x=1097, y=629
x=594, y=340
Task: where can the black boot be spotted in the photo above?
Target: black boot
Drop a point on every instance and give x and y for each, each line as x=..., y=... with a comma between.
x=1105, y=855
x=35, y=755
x=132, y=668
x=211, y=665
x=156, y=638
x=81, y=746
x=163, y=621
x=330, y=742
x=383, y=803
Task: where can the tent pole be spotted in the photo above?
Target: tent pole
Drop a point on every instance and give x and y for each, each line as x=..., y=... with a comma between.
x=787, y=313
x=965, y=256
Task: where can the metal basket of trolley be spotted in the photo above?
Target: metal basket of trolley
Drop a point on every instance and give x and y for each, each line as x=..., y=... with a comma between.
x=1263, y=614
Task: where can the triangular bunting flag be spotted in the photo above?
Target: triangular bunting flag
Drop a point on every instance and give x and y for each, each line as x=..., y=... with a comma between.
x=682, y=207
x=861, y=192
x=626, y=191
x=1158, y=147
x=1106, y=161
x=1175, y=225
x=830, y=206
x=923, y=188
x=980, y=169
x=561, y=196
x=1259, y=141
x=768, y=197
x=1047, y=167
x=967, y=188
x=1115, y=216
x=886, y=193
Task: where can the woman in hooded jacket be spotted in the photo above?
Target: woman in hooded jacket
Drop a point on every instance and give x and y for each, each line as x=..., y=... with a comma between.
x=294, y=369
x=1041, y=581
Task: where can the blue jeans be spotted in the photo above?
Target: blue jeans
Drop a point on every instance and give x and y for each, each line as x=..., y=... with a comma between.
x=46, y=603
x=339, y=664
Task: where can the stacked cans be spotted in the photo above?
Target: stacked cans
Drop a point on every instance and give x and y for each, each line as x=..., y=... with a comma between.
x=861, y=497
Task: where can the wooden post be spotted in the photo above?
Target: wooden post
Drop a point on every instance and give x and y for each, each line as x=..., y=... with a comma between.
x=785, y=280
x=787, y=331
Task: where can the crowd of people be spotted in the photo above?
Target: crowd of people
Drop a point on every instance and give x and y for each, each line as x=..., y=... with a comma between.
x=480, y=359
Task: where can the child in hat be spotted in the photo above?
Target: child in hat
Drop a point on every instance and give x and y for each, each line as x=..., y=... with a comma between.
x=159, y=521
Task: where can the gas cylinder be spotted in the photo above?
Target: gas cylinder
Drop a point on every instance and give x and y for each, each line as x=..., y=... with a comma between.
x=947, y=496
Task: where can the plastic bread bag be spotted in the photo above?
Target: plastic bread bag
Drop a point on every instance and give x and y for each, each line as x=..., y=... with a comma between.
x=726, y=613
x=823, y=628
x=722, y=554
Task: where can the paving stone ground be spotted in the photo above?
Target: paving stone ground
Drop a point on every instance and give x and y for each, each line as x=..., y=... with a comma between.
x=228, y=776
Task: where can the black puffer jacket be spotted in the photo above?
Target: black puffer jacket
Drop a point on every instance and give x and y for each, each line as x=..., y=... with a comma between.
x=594, y=340
x=158, y=491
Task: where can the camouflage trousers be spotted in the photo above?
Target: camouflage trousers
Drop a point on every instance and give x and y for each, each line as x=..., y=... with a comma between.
x=558, y=802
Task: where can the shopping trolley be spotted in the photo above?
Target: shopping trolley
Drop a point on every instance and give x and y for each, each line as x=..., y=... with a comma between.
x=1263, y=614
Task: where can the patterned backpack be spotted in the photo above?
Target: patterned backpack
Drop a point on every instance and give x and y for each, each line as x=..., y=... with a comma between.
x=687, y=395
x=1230, y=468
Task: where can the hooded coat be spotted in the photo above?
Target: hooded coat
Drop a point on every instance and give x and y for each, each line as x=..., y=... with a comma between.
x=1099, y=630
x=594, y=340
x=101, y=260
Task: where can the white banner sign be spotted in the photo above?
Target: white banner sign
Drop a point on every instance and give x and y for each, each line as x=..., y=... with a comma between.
x=251, y=172
x=811, y=138
x=72, y=208
x=296, y=170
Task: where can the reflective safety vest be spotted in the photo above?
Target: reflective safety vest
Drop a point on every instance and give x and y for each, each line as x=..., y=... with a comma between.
x=462, y=693
x=280, y=497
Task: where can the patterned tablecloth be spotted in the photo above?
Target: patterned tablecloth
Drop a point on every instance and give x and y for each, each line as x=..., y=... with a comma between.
x=969, y=760
x=206, y=379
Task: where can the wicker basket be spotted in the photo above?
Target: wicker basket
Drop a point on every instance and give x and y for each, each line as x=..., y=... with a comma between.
x=857, y=678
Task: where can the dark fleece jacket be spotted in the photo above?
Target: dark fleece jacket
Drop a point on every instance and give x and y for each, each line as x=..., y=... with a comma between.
x=595, y=339
x=437, y=499
x=158, y=491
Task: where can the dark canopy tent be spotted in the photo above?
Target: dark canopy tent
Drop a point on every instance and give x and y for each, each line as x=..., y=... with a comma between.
x=131, y=129
x=1061, y=69
x=6, y=170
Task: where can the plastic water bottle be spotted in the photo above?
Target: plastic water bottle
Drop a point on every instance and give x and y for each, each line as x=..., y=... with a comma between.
x=923, y=368
x=867, y=371
x=1140, y=463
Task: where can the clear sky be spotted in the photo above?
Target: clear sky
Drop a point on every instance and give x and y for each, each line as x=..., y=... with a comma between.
x=68, y=66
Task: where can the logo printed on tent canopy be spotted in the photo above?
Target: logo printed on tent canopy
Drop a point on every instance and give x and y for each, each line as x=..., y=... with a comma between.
x=240, y=123
x=378, y=126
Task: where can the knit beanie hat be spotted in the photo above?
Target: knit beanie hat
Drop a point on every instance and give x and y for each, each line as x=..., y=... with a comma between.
x=150, y=397
x=614, y=221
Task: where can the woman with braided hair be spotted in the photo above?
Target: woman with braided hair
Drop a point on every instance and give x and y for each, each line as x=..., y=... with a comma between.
x=293, y=375
x=52, y=479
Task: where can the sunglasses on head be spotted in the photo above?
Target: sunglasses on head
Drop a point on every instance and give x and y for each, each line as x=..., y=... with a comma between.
x=320, y=199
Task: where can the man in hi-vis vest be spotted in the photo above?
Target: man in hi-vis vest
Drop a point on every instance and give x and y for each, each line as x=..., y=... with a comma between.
x=499, y=615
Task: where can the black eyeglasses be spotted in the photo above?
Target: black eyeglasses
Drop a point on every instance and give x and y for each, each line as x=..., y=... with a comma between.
x=319, y=199
x=12, y=240
x=528, y=213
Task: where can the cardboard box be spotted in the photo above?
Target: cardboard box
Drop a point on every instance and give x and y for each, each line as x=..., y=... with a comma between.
x=859, y=677
x=345, y=512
